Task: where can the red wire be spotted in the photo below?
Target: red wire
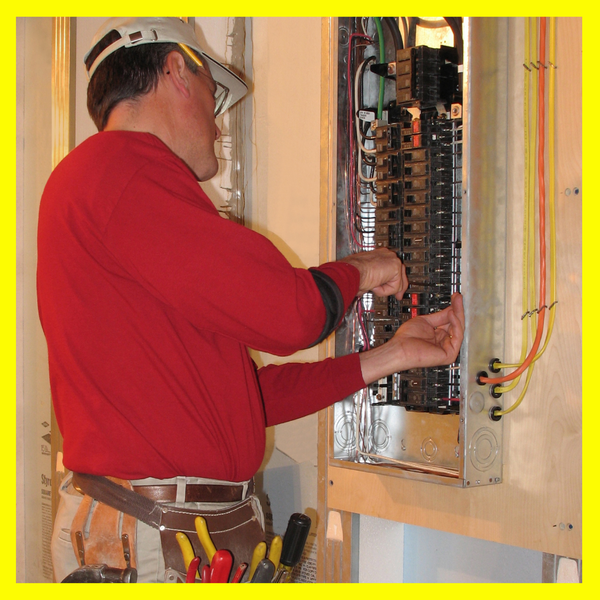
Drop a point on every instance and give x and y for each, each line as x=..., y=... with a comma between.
x=542, y=216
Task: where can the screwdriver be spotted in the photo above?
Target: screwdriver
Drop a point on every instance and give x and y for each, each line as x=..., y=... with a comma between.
x=275, y=550
x=204, y=536
x=294, y=540
x=259, y=553
x=264, y=572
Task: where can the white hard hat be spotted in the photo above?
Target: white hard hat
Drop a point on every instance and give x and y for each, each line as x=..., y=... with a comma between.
x=134, y=31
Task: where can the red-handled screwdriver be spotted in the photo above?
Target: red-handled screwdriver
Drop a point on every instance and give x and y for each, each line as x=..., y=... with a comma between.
x=239, y=573
x=192, y=570
x=220, y=566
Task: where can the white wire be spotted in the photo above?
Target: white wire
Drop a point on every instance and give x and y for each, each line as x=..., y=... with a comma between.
x=357, y=77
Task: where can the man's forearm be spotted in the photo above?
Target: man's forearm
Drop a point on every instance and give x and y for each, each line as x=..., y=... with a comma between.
x=382, y=361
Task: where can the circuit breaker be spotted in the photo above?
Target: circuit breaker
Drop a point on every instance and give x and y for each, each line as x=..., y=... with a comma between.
x=416, y=138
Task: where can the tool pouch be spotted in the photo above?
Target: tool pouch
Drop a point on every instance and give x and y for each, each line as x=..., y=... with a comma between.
x=102, y=535
x=235, y=528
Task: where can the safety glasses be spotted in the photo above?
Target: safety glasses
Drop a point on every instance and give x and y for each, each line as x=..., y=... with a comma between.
x=221, y=92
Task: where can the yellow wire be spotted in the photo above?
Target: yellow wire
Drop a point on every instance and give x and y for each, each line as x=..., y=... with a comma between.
x=500, y=413
x=551, y=198
x=552, y=215
x=529, y=213
x=526, y=121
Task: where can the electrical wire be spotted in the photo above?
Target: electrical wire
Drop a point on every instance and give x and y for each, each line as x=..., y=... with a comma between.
x=404, y=22
x=542, y=216
x=381, y=60
x=528, y=192
x=357, y=77
x=455, y=24
x=352, y=178
x=551, y=193
x=392, y=25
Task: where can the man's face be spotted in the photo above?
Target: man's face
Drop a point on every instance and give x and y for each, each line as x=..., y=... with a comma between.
x=203, y=131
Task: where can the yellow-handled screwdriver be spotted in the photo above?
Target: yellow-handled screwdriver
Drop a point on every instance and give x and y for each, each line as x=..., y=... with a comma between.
x=204, y=536
x=259, y=553
x=275, y=550
x=186, y=549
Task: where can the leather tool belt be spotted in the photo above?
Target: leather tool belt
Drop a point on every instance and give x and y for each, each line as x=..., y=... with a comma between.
x=235, y=527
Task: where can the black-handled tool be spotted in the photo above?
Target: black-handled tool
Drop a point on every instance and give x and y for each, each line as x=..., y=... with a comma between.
x=264, y=572
x=101, y=574
x=293, y=545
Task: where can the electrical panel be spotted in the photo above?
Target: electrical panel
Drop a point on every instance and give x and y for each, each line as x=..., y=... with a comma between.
x=403, y=109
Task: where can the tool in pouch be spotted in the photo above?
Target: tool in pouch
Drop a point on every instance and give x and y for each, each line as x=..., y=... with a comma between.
x=235, y=528
x=105, y=549
x=294, y=541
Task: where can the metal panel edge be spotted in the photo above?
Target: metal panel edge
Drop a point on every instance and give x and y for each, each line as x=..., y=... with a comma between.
x=484, y=239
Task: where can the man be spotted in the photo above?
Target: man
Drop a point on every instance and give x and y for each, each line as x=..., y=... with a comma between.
x=150, y=300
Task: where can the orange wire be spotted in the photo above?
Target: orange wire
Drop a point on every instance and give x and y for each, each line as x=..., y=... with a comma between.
x=542, y=217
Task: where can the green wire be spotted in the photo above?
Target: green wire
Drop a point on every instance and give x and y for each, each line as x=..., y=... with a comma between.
x=381, y=60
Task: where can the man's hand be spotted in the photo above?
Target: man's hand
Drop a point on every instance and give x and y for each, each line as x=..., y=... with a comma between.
x=381, y=272
x=425, y=341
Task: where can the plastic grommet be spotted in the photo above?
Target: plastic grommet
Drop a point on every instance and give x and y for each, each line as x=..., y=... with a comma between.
x=493, y=392
x=479, y=376
x=494, y=417
x=491, y=366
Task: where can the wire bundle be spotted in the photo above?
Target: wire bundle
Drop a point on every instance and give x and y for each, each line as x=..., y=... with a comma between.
x=535, y=130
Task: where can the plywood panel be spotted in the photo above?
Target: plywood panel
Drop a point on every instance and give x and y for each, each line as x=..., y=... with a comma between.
x=538, y=506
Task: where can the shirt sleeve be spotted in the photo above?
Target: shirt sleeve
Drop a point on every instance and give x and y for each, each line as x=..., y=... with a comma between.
x=294, y=390
x=221, y=276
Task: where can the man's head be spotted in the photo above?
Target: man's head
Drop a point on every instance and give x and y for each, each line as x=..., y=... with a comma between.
x=128, y=56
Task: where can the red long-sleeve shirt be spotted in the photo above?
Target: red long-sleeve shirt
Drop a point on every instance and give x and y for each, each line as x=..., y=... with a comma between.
x=149, y=301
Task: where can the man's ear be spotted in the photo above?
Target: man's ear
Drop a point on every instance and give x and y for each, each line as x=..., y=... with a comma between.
x=176, y=74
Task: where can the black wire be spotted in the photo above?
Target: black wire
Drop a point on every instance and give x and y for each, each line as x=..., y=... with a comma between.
x=412, y=31
x=392, y=25
x=363, y=131
x=455, y=24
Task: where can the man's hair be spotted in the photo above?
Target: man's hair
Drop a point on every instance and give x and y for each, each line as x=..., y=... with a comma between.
x=125, y=75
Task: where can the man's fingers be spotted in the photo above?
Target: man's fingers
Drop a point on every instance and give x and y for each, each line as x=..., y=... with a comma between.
x=403, y=283
x=458, y=306
x=443, y=317
x=381, y=271
x=440, y=318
